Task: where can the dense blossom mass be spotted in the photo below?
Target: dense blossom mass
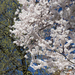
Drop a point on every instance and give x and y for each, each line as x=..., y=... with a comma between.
x=59, y=17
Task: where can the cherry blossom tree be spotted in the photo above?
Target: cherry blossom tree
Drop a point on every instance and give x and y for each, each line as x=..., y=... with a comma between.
x=29, y=32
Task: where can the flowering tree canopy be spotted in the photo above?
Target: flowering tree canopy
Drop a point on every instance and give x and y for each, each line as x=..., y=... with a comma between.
x=29, y=32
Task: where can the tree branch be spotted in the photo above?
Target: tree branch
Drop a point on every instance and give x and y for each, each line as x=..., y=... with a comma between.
x=44, y=27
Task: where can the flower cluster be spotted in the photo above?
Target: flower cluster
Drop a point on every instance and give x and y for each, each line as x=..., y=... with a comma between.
x=36, y=17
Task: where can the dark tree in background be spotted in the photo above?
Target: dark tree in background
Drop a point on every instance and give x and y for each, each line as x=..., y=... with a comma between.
x=12, y=61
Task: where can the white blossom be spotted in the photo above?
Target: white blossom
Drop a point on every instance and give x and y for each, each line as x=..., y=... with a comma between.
x=29, y=33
